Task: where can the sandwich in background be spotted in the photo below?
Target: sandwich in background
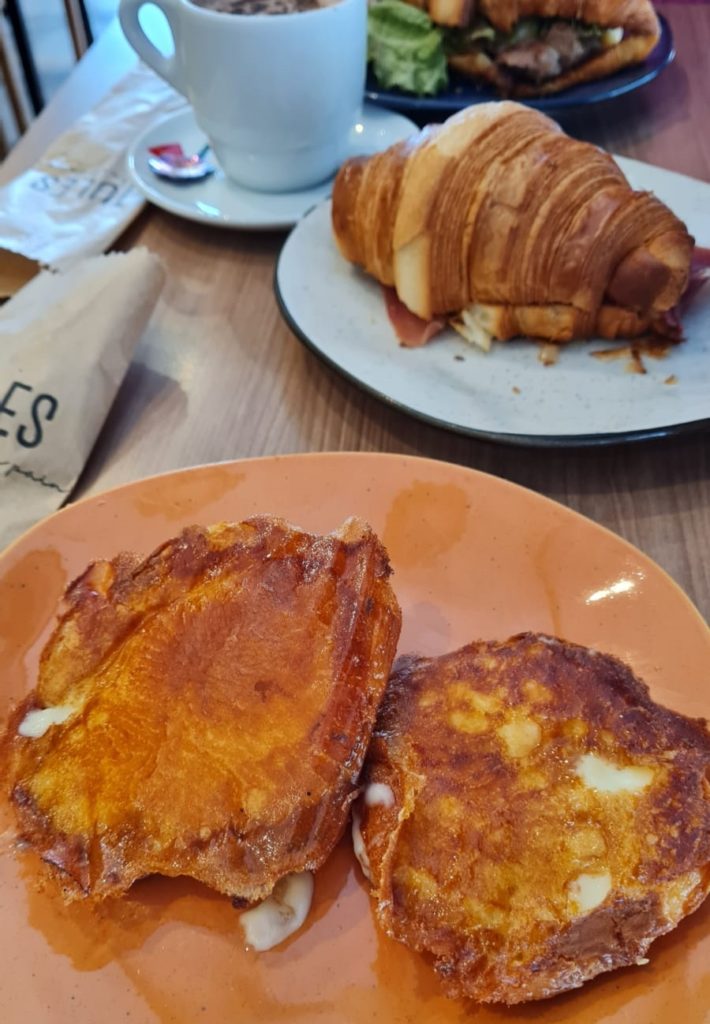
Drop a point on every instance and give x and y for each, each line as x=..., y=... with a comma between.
x=521, y=48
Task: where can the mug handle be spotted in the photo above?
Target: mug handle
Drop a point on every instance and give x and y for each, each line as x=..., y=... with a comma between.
x=166, y=67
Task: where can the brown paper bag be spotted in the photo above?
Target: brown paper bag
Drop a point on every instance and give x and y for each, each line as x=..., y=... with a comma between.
x=66, y=340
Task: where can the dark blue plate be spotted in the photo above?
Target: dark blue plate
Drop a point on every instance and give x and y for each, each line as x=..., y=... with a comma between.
x=462, y=92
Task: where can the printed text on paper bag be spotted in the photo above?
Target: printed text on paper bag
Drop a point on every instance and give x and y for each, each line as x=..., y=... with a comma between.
x=33, y=412
x=105, y=190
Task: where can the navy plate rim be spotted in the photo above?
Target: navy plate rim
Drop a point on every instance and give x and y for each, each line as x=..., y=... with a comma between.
x=597, y=91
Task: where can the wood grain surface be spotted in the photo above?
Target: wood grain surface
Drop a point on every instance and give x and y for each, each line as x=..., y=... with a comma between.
x=218, y=375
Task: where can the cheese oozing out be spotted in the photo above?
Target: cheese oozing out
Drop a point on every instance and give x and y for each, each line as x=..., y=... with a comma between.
x=379, y=794
x=471, y=324
x=36, y=723
x=605, y=777
x=587, y=891
x=359, y=847
x=281, y=914
x=611, y=37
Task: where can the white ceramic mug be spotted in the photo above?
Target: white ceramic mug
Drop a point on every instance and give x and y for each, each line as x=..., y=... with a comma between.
x=275, y=94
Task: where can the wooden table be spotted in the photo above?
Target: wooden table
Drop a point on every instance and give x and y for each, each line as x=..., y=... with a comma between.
x=219, y=376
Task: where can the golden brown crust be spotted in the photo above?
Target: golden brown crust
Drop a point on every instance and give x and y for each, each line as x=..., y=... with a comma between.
x=449, y=12
x=559, y=324
x=223, y=694
x=498, y=207
x=636, y=16
x=365, y=234
x=345, y=221
x=494, y=829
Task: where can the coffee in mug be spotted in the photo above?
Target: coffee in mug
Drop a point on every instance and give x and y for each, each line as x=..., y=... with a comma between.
x=275, y=96
x=261, y=6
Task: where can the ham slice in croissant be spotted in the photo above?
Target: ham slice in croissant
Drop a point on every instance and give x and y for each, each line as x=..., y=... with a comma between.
x=501, y=221
x=543, y=46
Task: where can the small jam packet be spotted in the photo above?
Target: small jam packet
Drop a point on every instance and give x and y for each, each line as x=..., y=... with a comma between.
x=66, y=340
x=79, y=197
x=170, y=150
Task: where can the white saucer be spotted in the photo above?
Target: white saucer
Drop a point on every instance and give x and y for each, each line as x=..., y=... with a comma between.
x=216, y=200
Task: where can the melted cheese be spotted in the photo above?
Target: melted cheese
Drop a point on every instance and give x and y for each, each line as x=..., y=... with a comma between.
x=470, y=326
x=605, y=777
x=520, y=736
x=359, y=847
x=36, y=723
x=587, y=891
x=281, y=914
x=378, y=794
x=612, y=37
x=678, y=894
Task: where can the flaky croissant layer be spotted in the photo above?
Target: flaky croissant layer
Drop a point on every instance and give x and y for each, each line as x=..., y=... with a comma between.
x=499, y=209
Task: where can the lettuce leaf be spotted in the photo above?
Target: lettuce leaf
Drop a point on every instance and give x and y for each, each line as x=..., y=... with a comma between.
x=405, y=48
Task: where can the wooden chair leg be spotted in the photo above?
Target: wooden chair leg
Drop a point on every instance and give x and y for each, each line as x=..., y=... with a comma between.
x=10, y=82
x=79, y=27
x=15, y=18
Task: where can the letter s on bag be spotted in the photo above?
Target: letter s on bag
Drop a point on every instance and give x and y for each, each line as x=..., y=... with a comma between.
x=34, y=439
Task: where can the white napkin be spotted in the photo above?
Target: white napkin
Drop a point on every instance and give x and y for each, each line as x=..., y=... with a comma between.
x=79, y=197
x=66, y=340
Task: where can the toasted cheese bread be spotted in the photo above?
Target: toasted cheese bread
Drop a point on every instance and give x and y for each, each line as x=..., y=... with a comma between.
x=530, y=817
x=205, y=711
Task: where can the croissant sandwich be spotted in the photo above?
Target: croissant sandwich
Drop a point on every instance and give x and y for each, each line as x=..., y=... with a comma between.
x=521, y=47
x=501, y=223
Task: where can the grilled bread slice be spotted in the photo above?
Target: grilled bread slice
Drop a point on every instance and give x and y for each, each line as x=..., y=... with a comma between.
x=206, y=712
x=531, y=817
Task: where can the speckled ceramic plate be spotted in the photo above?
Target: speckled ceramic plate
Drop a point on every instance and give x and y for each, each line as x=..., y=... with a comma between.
x=507, y=394
x=473, y=556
